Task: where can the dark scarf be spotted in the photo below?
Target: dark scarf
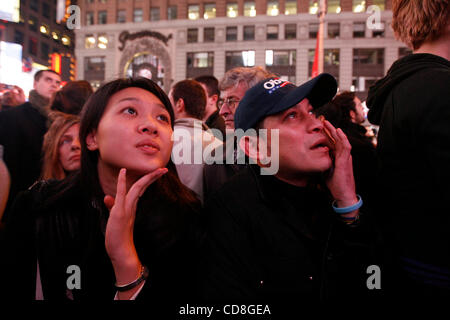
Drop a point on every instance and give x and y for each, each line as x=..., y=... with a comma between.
x=40, y=103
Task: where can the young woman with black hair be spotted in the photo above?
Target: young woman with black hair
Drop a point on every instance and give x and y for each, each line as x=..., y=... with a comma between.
x=124, y=226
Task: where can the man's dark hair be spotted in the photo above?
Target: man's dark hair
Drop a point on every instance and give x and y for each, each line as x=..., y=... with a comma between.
x=72, y=97
x=211, y=83
x=40, y=73
x=193, y=95
x=345, y=102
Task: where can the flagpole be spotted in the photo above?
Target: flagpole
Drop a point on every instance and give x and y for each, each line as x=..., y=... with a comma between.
x=322, y=12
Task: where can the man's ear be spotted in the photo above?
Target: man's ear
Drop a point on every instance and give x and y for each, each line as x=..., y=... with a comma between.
x=179, y=106
x=249, y=144
x=352, y=115
x=214, y=98
x=91, y=141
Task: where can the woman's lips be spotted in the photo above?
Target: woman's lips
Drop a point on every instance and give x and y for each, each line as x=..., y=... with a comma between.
x=148, y=149
x=75, y=157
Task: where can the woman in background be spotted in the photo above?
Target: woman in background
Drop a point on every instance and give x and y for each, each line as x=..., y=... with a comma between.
x=61, y=148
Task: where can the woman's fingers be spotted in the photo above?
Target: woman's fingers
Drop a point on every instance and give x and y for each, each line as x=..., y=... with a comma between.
x=121, y=190
x=139, y=187
x=109, y=202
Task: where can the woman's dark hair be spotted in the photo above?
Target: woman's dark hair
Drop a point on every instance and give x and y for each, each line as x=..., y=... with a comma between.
x=72, y=97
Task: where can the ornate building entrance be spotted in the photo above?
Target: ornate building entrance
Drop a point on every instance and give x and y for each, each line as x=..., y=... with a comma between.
x=145, y=54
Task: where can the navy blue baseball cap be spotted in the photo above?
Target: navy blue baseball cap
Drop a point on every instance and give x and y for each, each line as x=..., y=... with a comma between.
x=273, y=95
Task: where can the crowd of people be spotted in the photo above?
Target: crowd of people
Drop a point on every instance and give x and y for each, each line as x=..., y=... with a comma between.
x=165, y=197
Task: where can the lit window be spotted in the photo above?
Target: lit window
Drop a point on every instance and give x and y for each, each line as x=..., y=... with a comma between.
x=55, y=36
x=359, y=6
x=65, y=40
x=89, y=42
x=210, y=11
x=232, y=10
x=313, y=6
x=334, y=6
x=44, y=29
x=272, y=8
x=331, y=57
x=102, y=41
x=249, y=9
x=380, y=3
x=200, y=59
x=290, y=7
x=280, y=57
x=239, y=59
x=193, y=12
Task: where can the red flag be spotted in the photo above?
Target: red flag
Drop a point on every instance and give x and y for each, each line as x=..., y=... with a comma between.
x=315, y=66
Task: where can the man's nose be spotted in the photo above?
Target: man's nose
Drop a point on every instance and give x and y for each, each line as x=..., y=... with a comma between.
x=224, y=110
x=316, y=124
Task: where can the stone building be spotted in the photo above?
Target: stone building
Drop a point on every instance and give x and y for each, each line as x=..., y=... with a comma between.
x=170, y=40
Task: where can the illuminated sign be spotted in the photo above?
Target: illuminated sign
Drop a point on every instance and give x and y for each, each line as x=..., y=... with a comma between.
x=10, y=10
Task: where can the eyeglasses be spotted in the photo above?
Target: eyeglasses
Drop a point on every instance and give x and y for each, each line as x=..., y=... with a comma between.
x=229, y=101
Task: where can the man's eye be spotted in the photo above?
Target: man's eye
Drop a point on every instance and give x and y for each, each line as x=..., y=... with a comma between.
x=291, y=115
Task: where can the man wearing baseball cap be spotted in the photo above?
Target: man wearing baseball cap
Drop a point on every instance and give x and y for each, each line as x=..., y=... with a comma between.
x=278, y=237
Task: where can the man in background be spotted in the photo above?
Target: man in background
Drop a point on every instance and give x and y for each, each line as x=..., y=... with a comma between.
x=22, y=129
x=212, y=118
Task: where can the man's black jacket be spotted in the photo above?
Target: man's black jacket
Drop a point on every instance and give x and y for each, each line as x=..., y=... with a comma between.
x=271, y=241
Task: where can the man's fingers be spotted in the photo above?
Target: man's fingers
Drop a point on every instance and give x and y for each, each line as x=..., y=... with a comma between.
x=330, y=132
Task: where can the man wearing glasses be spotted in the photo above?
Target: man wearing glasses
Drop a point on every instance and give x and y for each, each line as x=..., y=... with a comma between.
x=233, y=87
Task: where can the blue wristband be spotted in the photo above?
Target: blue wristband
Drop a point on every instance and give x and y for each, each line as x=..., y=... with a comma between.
x=349, y=209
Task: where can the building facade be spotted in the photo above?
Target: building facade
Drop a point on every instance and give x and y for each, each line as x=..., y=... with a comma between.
x=40, y=35
x=171, y=40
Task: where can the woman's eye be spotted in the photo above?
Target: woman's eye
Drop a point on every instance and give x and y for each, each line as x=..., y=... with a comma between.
x=163, y=117
x=130, y=111
x=65, y=141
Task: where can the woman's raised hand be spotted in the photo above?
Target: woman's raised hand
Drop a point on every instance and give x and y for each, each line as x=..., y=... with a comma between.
x=119, y=229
